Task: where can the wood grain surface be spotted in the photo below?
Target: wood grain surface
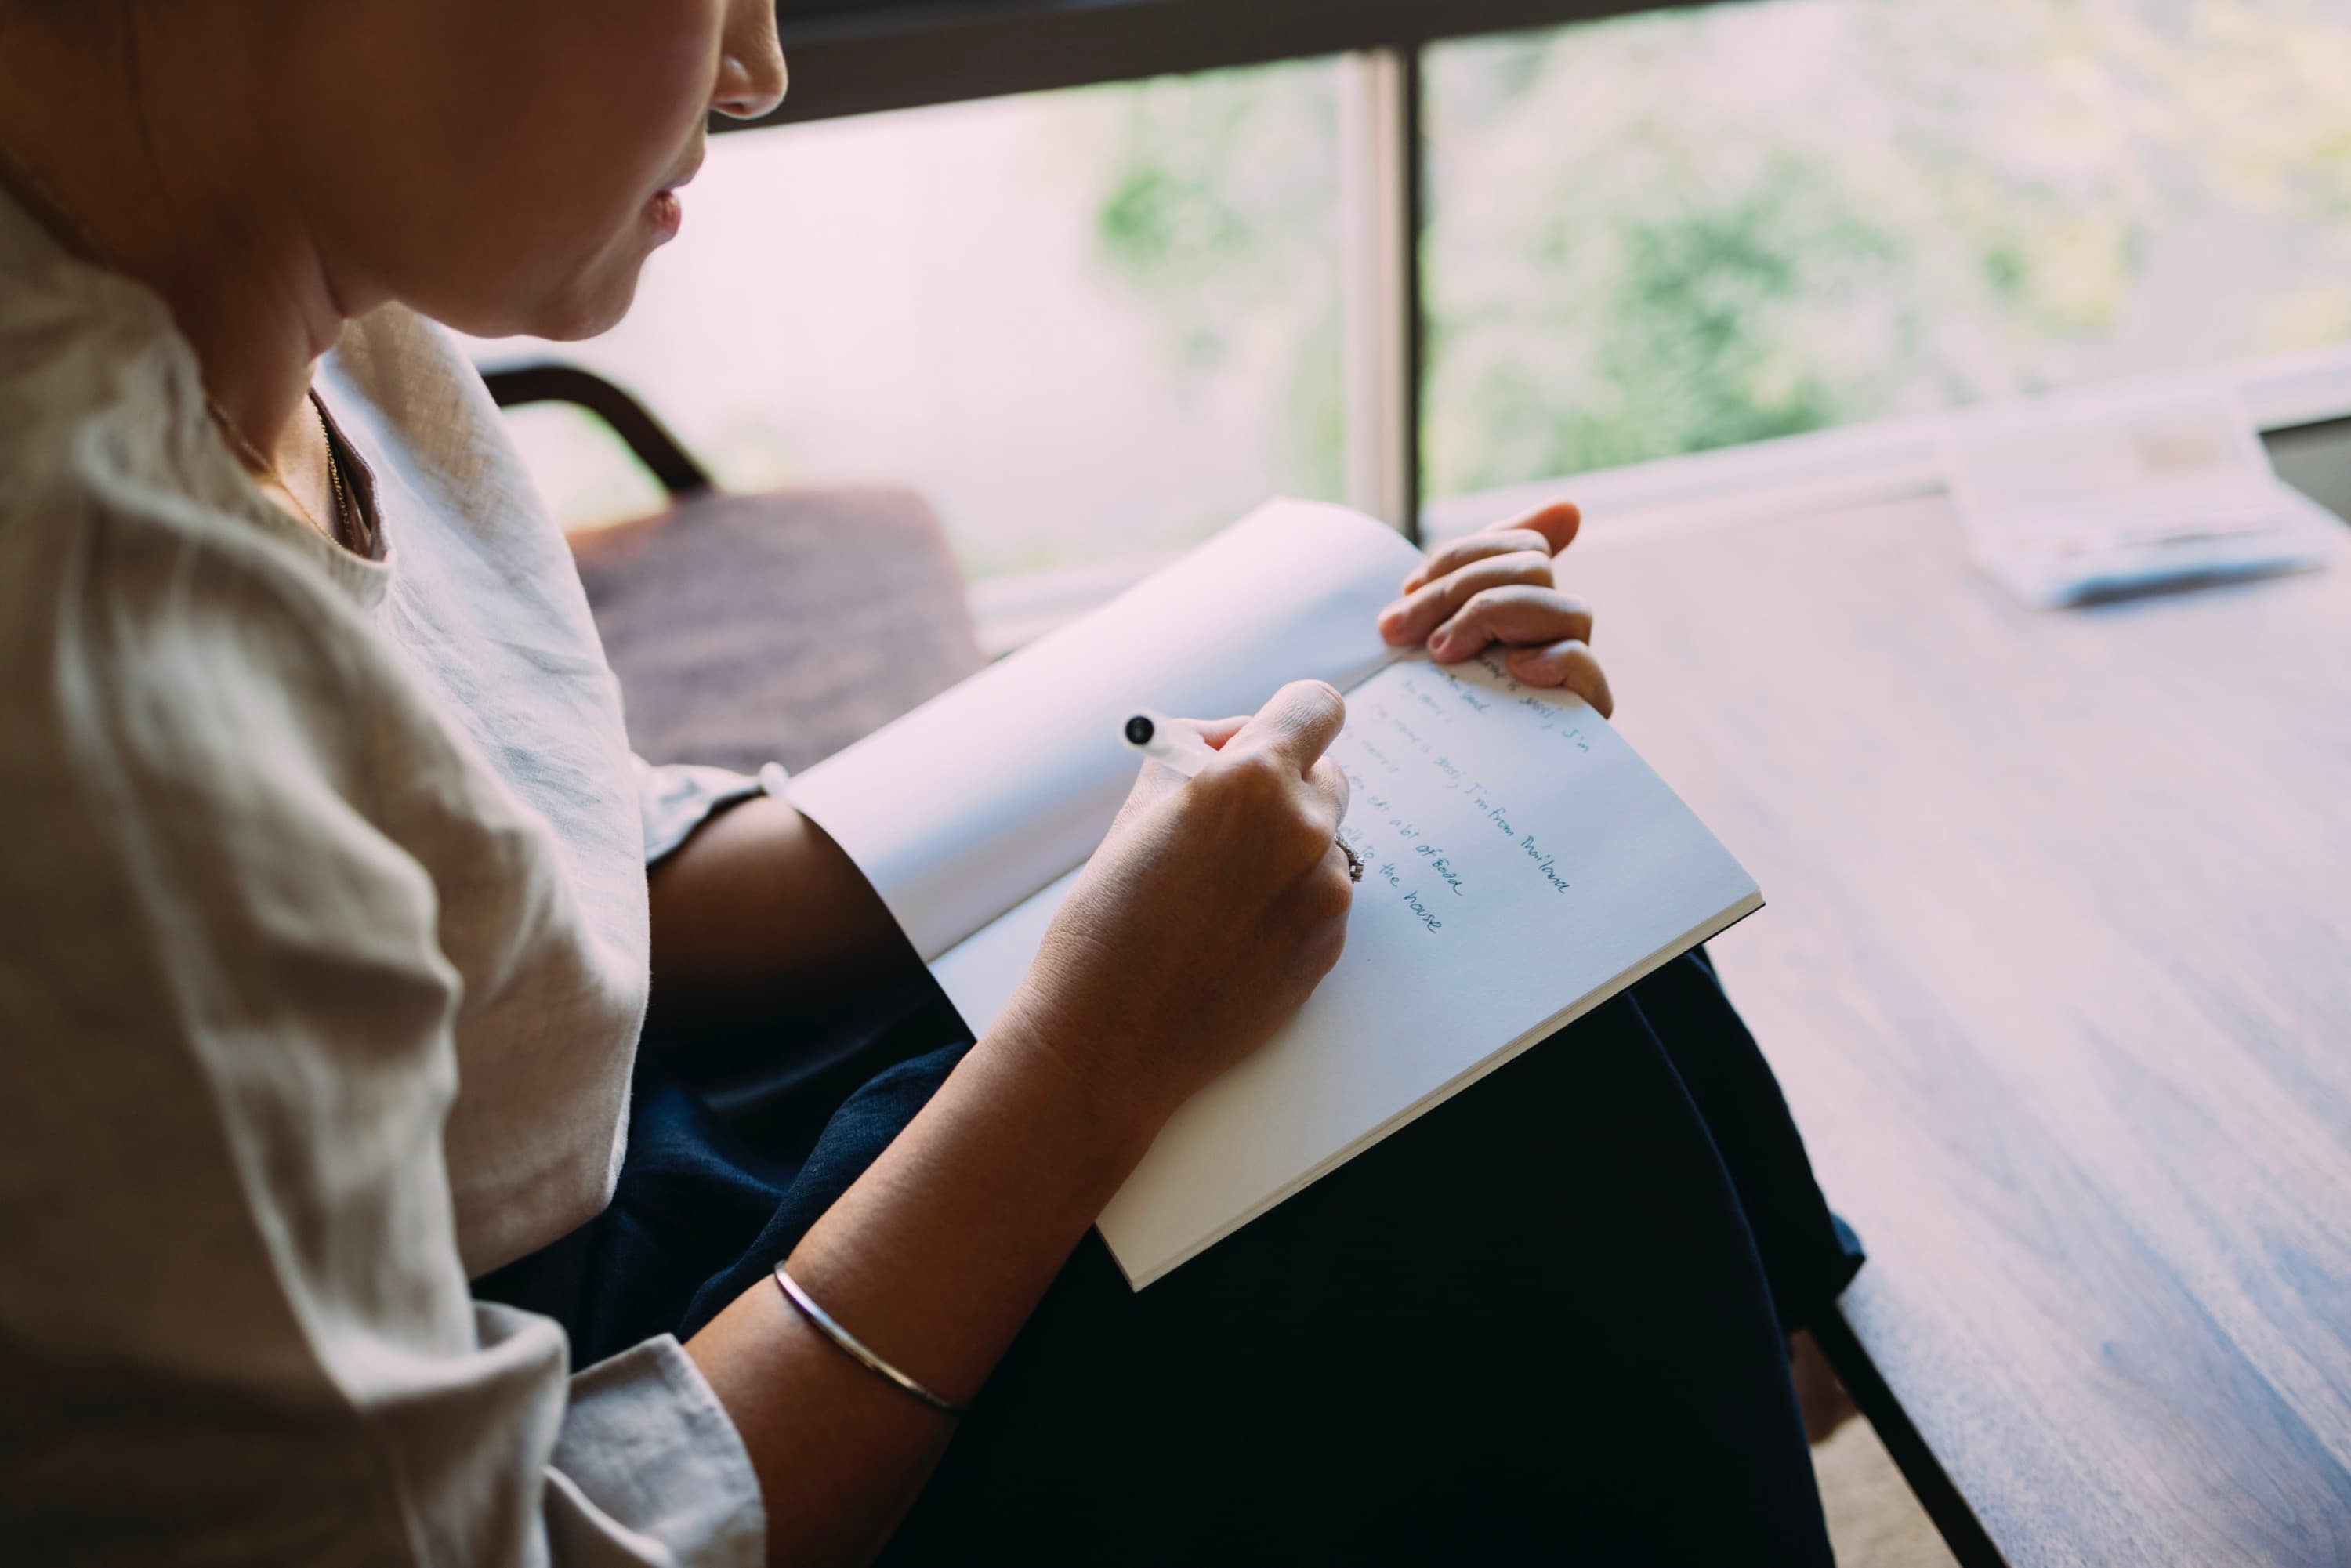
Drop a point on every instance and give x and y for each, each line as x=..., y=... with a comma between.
x=2056, y=969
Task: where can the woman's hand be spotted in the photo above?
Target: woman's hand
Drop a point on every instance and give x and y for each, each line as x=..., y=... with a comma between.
x=1209, y=912
x=1495, y=586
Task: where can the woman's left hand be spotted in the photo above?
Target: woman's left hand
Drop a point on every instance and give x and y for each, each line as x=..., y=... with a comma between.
x=1495, y=586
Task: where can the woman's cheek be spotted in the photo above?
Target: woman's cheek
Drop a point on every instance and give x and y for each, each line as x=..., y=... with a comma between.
x=654, y=69
x=520, y=147
x=619, y=114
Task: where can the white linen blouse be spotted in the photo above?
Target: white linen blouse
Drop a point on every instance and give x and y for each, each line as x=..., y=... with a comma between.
x=323, y=946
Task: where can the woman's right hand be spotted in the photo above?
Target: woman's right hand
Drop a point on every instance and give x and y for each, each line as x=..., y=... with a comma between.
x=1210, y=912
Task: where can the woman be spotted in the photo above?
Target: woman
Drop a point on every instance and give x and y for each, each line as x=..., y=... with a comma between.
x=329, y=936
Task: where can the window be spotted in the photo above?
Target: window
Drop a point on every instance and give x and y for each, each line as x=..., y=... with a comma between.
x=1094, y=325
x=1084, y=325
x=1687, y=230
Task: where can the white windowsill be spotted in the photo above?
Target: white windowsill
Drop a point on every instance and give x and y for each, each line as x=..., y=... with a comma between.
x=1854, y=465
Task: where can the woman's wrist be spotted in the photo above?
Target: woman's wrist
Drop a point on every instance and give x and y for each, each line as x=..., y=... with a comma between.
x=991, y=1185
x=932, y=1260
x=1104, y=1083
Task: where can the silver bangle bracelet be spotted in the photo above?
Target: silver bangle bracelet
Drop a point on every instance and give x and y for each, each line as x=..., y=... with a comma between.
x=856, y=1349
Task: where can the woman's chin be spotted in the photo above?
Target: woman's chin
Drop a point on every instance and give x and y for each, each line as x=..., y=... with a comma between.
x=539, y=302
x=592, y=307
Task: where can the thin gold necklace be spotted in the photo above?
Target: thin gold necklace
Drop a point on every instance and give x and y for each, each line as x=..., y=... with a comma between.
x=248, y=455
x=347, y=515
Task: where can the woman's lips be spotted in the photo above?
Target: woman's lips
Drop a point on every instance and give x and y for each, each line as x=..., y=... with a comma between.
x=668, y=214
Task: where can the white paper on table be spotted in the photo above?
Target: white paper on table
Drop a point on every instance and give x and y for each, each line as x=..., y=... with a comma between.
x=2090, y=494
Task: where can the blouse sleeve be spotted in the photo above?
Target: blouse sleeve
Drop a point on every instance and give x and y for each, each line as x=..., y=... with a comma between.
x=233, y=1321
x=647, y=1467
x=677, y=797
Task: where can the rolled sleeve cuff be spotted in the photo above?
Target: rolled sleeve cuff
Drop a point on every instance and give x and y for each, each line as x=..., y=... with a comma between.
x=677, y=797
x=647, y=1446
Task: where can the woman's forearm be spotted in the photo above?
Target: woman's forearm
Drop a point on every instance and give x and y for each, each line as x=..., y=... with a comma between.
x=1209, y=912
x=934, y=1259
x=760, y=916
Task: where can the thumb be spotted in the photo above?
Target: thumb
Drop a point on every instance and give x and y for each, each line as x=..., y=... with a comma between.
x=1296, y=724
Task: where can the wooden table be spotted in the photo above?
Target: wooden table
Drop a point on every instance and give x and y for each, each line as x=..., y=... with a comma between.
x=2056, y=970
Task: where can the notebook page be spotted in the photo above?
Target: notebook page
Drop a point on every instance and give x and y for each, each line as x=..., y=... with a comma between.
x=1524, y=865
x=966, y=807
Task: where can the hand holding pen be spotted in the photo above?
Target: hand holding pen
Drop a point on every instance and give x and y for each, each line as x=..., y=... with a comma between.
x=1183, y=747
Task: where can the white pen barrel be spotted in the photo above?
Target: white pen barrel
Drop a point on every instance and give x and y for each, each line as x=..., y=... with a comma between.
x=1168, y=740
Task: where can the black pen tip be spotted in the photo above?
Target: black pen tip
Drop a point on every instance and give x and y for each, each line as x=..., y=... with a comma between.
x=1138, y=730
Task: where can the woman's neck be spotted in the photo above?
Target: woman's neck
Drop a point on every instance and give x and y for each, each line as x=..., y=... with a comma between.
x=144, y=131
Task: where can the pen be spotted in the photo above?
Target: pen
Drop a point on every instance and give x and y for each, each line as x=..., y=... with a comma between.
x=1180, y=746
x=1177, y=745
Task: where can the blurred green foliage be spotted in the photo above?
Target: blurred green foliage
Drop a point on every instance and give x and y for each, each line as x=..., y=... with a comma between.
x=1690, y=229
x=1217, y=205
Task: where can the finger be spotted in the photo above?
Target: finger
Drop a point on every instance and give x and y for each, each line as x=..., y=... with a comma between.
x=1455, y=554
x=1321, y=900
x=1297, y=725
x=1568, y=663
x=1557, y=521
x=1411, y=618
x=1216, y=731
x=1339, y=878
x=1331, y=787
x=1550, y=528
x=1523, y=614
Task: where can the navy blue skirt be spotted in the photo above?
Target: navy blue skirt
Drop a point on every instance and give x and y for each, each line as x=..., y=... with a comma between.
x=1545, y=1320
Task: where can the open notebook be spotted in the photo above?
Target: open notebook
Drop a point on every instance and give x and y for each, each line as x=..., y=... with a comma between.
x=1524, y=864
